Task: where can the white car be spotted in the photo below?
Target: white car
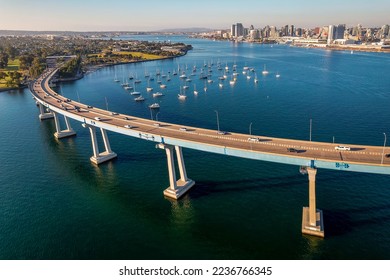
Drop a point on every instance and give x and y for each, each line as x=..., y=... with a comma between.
x=128, y=126
x=253, y=139
x=183, y=129
x=98, y=119
x=342, y=148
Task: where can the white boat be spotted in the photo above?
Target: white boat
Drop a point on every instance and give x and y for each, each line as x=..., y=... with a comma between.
x=277, y=75
x=265, y=72
x=183, y=76
x=182, y=96
x=157, y=94
x=149, y=88
x=221, y=85
x=195, y=91
x=154, y=106
x=139, y=98
x=256, y=80
x=163, y=86
x=134, y=92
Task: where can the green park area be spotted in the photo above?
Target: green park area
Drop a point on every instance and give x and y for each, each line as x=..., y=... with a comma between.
x=10, y=75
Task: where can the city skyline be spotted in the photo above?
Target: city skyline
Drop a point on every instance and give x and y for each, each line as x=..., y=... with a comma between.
x=152, y=15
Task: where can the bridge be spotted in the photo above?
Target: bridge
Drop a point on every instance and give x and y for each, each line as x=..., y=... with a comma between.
x=309, y=155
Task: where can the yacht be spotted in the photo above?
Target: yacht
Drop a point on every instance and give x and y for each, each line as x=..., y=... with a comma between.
x=277, y=75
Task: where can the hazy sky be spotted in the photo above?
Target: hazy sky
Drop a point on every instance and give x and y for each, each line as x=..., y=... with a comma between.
x=149, y=15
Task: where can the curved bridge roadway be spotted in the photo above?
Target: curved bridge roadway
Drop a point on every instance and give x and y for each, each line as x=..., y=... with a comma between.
x=313, y=155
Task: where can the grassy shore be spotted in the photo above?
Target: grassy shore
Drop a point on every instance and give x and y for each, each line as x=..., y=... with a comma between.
x=13, y=65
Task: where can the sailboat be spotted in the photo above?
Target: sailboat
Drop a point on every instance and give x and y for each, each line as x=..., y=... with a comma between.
x=265, y=72
x=256, y=80
x=277, y=75
x=195, y=91
x=135, y=92
x=149, y=88
x=116, y=79
x=181, y=96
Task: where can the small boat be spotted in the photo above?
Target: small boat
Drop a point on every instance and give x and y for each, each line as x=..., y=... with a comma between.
x=256, y=80
x=135, y=93
x=154, y=106
x=277, y=75
x=265, y=72
x=157, y=94
x=139, y=98
x=163, y=86
x=195, y=91
x=181, y=96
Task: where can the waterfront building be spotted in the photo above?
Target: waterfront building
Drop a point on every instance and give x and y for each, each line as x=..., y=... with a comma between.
x=239, y=30
x=233, y=31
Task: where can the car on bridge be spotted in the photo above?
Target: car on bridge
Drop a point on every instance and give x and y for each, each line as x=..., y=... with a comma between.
x=222, y=132
x=292, y=150
x=342, y=148
x=98, y=119
x=254, y=139
x=183, y=129
x=128, y=126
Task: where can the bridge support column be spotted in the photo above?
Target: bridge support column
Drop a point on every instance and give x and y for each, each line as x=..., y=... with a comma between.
x=176, y=188
x=44, y=114
x=97, y=157
x=62, y=133
x=312, y=218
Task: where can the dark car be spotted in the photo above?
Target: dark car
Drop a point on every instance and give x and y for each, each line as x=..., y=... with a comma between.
x=292, y=150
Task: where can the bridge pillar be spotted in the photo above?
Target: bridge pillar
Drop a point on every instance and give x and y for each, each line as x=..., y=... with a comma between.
x=176, y=188
x=62, y=133
x=44, y=114
x=312, y=218
x=97, y=157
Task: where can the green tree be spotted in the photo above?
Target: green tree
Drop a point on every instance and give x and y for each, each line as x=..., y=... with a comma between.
x=11, y=51
x=3, y=60
x=25, y=61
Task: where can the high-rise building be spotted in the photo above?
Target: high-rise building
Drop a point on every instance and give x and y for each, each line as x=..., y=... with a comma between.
x=233, y=30
x=291, y=30
x=339, y=32
x=331, y=32
x=336, y=32
x=239, y=30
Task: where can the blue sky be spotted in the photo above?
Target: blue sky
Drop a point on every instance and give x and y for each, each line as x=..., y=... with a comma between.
x=148, y=15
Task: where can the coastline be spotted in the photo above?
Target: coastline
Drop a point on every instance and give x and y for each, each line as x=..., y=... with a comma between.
x=92, y=68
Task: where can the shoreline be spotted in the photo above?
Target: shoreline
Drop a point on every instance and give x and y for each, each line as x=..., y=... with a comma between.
x=92, y=68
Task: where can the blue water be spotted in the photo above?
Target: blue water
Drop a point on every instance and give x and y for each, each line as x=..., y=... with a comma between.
x=55, y=204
